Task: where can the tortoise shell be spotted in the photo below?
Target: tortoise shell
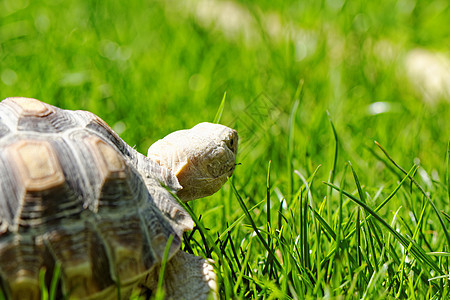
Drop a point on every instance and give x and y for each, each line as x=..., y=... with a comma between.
x=74, y=194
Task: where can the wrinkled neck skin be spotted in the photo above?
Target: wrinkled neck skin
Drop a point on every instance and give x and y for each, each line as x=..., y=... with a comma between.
x=202, y=158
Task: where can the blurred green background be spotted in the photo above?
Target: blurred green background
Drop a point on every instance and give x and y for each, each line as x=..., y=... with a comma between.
x=380, y=70
x=151, y=67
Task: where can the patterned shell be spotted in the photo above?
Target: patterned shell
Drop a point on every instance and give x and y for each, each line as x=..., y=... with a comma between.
x=74, y=194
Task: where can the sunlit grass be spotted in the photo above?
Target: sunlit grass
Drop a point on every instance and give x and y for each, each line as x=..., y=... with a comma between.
x=315, y=209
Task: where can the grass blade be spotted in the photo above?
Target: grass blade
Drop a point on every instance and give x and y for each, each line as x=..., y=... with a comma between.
x=368, y=228
x=324, y=223
x=291, y=146
x=333, y=169
x=415, y=250
x=220, y=110
x=160, y=291
x=339, y=214
x=255, y=228
x=291, y=133
x=44, y=290
x=439, y=253
x=54, y=282
x=245, y=263
x=268, y=194
x=303, y=216
x=447, y=216
x=358, y=237
x=447, y=173
x=438, y=213
x=238, y=220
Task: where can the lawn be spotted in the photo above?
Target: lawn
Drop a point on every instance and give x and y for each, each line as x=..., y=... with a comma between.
x=342, y=107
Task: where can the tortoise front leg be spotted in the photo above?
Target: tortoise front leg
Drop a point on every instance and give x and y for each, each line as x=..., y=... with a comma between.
x=186, y=277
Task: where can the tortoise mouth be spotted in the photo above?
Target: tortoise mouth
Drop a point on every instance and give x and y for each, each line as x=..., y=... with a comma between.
x=231, y=170
x=217, y=170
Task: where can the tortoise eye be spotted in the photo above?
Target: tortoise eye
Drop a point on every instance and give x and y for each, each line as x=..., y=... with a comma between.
x=230, y=143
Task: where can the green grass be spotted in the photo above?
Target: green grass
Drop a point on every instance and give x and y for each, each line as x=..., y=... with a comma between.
x=315, y=209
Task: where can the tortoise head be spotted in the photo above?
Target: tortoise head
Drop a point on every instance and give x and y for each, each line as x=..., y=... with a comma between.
x=202, y=158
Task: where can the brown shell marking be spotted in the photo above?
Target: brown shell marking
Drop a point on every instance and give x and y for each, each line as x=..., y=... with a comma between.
x=29, y=107
x=110, y=163
x=38, y=165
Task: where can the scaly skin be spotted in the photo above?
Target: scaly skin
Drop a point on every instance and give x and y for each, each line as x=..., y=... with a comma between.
x=202, y=158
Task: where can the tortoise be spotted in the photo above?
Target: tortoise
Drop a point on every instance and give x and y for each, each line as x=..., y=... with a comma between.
x=75, y=195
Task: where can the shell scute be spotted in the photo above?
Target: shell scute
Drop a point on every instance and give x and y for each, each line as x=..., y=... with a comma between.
x=127, y=242
x=103, y=130
x=82, y=255
x=36, y=116
x=42, y=192
x=108, y=160
x=29, y=107
x=22, y=259
x=37, y=163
